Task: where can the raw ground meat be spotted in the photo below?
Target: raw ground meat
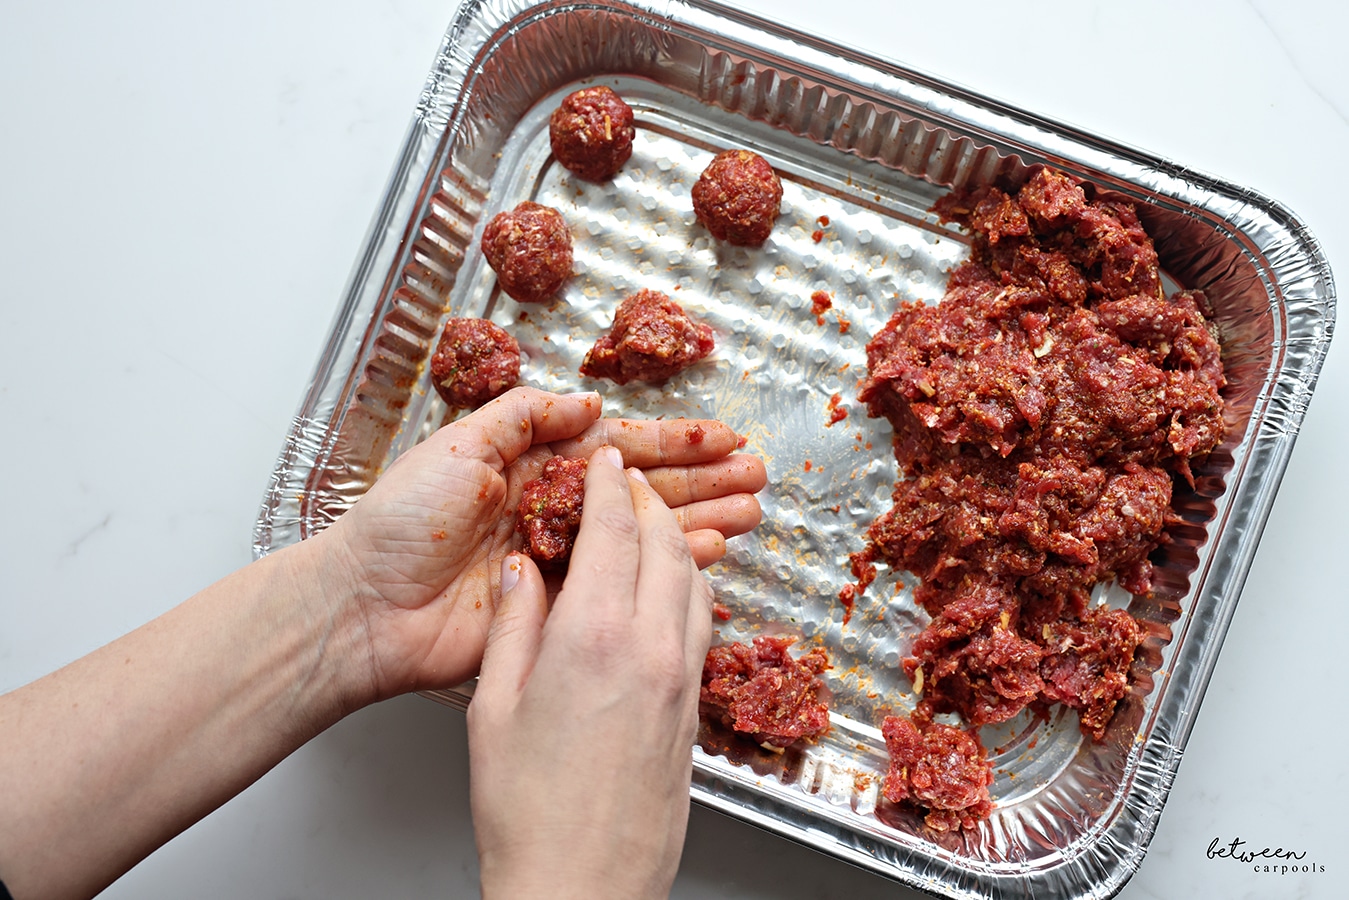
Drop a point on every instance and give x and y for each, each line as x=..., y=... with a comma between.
x=970, y=659
x=941, y=769
x=1042, y=411
x=738, y=197
x=591, y=133
x=530, y=250
x=652, y=339
x=763, y=692
x=550, y=511
x=1086, y=664
x=475, y=360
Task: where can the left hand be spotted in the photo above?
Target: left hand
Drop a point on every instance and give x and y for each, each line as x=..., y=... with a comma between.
x=418, y=558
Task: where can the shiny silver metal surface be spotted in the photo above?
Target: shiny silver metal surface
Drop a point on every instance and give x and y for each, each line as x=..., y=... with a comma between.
x=865, y=146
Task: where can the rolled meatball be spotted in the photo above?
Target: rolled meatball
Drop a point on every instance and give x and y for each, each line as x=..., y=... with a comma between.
x=737, y=198
x=530, y=250
x=652, y=338
x=474, y=362
x=591, y=133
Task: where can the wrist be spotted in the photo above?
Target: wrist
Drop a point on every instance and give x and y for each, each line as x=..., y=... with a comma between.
x=330, y=597
x=576, y=863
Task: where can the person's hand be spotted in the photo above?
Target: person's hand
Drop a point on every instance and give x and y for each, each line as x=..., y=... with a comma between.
x=582, y=724
x=419, y=556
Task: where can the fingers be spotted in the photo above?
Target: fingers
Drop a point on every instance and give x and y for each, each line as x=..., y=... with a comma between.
x=501, y=430
x=736, y=474
x=602, y=574
x=663, y=580
x=648, y=442
x=706, y=546
x=674, y=602
x=737, y=514
x=698, y=630
x=516, y=630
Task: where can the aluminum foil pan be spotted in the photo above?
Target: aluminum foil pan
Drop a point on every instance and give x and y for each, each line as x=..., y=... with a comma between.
x=866, y=147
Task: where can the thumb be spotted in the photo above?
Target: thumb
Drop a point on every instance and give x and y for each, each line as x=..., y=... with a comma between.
x=517, y=627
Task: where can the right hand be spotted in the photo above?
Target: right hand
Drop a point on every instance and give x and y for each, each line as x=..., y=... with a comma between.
x=583, y=721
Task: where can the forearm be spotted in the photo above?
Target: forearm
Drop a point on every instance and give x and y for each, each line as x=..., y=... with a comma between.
x=111, y=756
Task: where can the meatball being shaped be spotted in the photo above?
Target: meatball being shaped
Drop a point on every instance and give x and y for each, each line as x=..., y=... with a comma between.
x=652, y=339
x=550, y=511
x=737, y=197
x=591, y=133
x=530, y=250
x=474, y=362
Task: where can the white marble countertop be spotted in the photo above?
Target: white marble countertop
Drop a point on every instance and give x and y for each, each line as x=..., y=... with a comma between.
x=183, y=189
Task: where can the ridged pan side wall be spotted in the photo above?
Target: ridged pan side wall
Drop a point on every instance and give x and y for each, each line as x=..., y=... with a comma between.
x=834, y=118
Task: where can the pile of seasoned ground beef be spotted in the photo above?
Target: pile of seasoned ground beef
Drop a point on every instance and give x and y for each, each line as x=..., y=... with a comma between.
x=1042, y=411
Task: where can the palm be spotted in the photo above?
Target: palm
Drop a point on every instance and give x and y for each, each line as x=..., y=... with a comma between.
x=425, y=545
x=429, y=539
x=421, y=534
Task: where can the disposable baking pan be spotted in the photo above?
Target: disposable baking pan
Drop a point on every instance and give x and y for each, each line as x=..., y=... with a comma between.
x=864, y=147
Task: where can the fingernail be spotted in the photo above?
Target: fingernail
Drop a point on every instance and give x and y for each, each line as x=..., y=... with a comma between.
x=510, y=573
x=637, y=473
x=612, y=456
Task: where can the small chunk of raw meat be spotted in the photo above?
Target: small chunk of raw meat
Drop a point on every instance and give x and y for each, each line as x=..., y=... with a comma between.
x=763, y=692
x=938, y=768
x=652, y=338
